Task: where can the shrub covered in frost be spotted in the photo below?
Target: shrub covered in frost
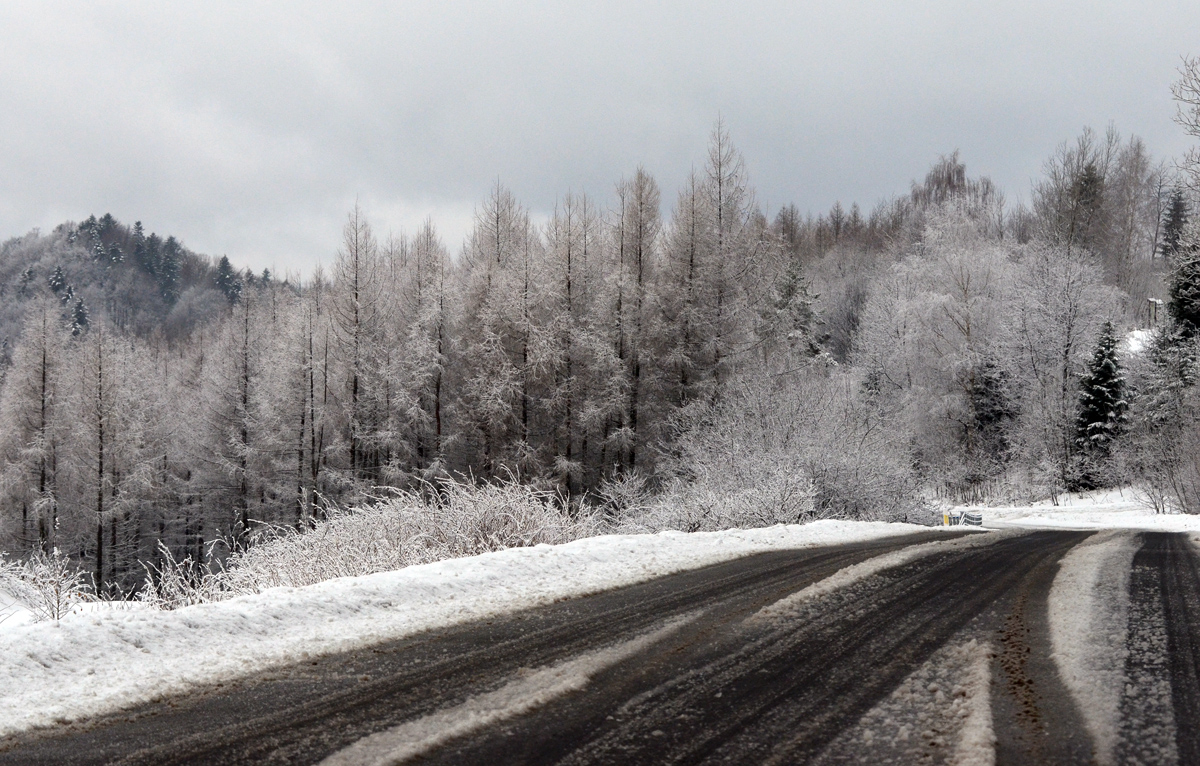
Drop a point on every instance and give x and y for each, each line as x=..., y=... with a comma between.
x=448, y=520
x=787, y=448
x=48, y=584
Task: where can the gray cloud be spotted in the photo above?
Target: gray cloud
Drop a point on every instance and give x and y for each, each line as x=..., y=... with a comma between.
x=250, y=128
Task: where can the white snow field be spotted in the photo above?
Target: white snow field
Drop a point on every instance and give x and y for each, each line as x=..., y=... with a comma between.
x=106, y=657
x=1124, y=508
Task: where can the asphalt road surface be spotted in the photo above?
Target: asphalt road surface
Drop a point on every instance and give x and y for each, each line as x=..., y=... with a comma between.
x=943, y=659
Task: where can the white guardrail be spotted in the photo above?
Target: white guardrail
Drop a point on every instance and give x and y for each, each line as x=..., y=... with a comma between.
x=962, y=518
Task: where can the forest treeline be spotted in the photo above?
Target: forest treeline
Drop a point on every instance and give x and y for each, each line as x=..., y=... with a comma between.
x=847, y=364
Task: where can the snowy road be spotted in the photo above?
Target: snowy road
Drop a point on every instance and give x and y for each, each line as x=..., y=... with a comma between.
x=1010, y=647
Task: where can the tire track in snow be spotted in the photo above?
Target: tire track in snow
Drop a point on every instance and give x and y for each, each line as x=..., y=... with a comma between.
x=790, y=605
x=941, y=713
x=779, y=690
x=1160, y=709
x=532, y=690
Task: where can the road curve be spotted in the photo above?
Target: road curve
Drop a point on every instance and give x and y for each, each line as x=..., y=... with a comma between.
x=943, y=657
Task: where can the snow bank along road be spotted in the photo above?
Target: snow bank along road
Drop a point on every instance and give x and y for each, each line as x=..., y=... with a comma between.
x=1009, y=647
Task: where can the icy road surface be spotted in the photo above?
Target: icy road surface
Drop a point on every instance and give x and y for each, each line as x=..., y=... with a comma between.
x=997, y=647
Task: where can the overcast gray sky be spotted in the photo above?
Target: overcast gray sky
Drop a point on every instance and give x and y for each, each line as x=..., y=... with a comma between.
x=249, y=129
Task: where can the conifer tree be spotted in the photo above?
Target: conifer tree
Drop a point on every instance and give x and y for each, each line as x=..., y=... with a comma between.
x=1174, y=220
x=356, y=321
x=79, y=317
x=139, y=243
x=636, y=229
x=494, y=331
x=58, y=280
x=1102, y=398
x=788, y=318
x=30, y=430
x=167, y=272
x=228, y=281
x=1184, y=302
x=992, y=406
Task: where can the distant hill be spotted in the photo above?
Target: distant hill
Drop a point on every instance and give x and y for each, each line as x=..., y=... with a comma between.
x=140, y=282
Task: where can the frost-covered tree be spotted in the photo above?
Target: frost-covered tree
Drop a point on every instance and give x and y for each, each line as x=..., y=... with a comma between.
x=1070, y=199
x=32, y=426
x=687, y=322
x=412, y=358
x=1059, y=305
x=734, y=237
x=1103, y=407
x=572, y=287
x=932, y=336
x=356, y=313
x=635, y=231
x=235, y=434
x=111, y=456
x=495, y=332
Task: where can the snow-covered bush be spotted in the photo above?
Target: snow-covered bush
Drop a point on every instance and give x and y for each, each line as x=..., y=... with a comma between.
x=1163, y=452
x=702, y=506
x=48, y=584
x=449, y=520
x=789, y=447
x=173, y=583
x=624, y=494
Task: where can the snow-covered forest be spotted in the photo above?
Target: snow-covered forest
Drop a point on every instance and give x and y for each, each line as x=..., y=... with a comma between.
x=645, y=358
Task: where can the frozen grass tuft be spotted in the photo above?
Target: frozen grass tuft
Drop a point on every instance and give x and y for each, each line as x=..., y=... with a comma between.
x=48, y=584
x=449, y=520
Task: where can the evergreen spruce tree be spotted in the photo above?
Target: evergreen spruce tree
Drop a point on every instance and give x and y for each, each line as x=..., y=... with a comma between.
x=1173, y=222
x=79, y=318
x=1102, y=402
x=139, y=243
x=228, y=280
x=1088, y=199
x=167, y=272
x=788, y=314
x=58, y=280
x=993, y=408
x=150, y=253
x=1173, y=351
x=1184, y=302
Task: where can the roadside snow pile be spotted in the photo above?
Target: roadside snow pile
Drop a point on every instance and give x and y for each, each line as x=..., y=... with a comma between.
x=1123, y=508
x=13, y=611
x=103, y=660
